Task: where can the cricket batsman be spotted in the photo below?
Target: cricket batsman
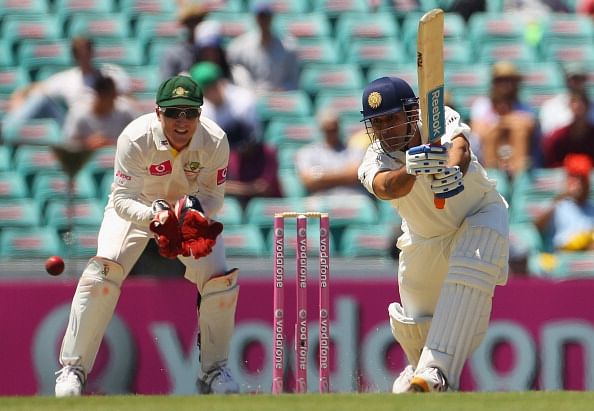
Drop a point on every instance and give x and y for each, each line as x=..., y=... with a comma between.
x=169, y=179
x=451, y=259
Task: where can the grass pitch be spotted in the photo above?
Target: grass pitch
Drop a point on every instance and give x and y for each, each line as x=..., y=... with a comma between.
x=522, y=401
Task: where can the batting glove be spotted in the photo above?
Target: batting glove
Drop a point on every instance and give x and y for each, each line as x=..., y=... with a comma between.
x=426, y=159
x=447, y=183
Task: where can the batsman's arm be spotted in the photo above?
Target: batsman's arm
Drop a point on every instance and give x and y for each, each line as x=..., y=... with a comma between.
x=392, y=184
x=459, y=153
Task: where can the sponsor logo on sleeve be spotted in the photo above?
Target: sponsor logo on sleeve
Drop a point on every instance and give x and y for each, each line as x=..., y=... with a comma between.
x=121, y=178
x=160, y=169
x=221, y=175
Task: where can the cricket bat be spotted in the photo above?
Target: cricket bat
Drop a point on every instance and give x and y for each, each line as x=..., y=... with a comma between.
x=430, y=73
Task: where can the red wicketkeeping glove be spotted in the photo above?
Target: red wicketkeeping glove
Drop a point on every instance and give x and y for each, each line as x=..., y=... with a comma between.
x=165, y=225
x=198, y=232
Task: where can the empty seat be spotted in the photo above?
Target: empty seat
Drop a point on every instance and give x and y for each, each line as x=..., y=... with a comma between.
x=84, y=6
x=98, y=25
x=23, y=7
x=232, y=24
x=133, y=8
x=370, y=241
x=335, y=8
x=13, y=78
x=292, y=132
x=231, y=213
x=12, y=185
x=235, y=6
x=318, y=50
x=366, y=52
x=291, y=184
x=51, y=186
x=344, y=210
x=144, y=79
x=119, y=51
x=19, y=213
x=30, y=160
x=83, y=242
x=42, y=131
x=365, y=26
x=406, y=71
x=260, y=211
x=516, y=51
x=244, y=241
x=33, y=54
x=345, y=76
x=343, y=102
x=41, y=242
x=81, y=213
x=287, y=104
x=302, y=25
x=150, y=27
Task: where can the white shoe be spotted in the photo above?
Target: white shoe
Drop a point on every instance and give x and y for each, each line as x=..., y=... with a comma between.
x=218, y=381
x=402, y=383
x=70, y=381
x=428, y=380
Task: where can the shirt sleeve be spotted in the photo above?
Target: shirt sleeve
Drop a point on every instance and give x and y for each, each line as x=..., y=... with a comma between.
x=373, y=163
x=129, y=173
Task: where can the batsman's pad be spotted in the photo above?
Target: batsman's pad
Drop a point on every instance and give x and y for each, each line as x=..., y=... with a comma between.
x=462, y=313
x=410, y=333
x=216, y=318
x=92, y=307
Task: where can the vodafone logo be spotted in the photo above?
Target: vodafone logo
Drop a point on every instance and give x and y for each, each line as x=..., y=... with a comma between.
x=160, y=169
x=221, y=176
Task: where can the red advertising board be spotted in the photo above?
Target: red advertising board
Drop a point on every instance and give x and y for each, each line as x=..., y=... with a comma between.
x=541, y=337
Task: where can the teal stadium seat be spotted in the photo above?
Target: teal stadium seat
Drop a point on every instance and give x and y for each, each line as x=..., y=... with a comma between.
x=113, y=26
x=536, y=96
x=156, y=51
x=41, y=131
x=52, y=186
x=516, y=52
x=286, y=157
x=454, y=30
x=477, y=76
x=366, y=52
x=568, y=51
x=486, y=27
x=284, y=104
x=292, y=132
x=19, y=213
x=334, y=9
x=542, y=75
x=305, y=25
x=567, y=26
x=235, y=6
x=504, y=185
x=458, y=53
x=285, y=6
x=5, y=158
x=342, y=102
x=101, y=162
x=134, y=8
x=371, y=26
x=83, y=243
x=562, y=265
x=231, y=213
x=104, y=187
x=33, y=54
x=86, y=213
x=125, y=52
x=8, y=7
x=12, y=185
x=232, y=24
x=150, y=27
x=291, y=184
x=30, y=160
x=44, y=72
x=84, y=6
x=524, y=238
x=317, y=77
x=19, y=27
x=318, y=50
x=244, y=241
x=144, y=78
x=40, y=242
x=406, y=71
x=13, y=78
x=344, y=210
x=260, y=211
x=370, y=241
x=387, y=214
x=547, y=181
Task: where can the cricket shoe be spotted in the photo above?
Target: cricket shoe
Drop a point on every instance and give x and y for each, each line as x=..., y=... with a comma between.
x=428, y=380
x=218, y=381
x=70, y=381
x=402, y=383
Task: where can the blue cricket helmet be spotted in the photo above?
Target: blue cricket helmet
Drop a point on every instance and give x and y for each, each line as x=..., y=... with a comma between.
x=386, y=95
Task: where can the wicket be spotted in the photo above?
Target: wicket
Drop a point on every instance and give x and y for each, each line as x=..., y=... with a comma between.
x=301, y=329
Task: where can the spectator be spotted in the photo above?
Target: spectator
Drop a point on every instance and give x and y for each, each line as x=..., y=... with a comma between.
x=261, y=60
x=209, y=46
x=569, y=223
x=330, y=166
x=182, y=55
x=99, y=123
x=52, y=97
x=232, y=107
x=467, y=8
x=576, y=137
x=555, y=112
x=505, y=128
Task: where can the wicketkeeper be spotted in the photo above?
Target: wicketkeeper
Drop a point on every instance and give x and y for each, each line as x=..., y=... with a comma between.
x=451, y=259
x=169, y=180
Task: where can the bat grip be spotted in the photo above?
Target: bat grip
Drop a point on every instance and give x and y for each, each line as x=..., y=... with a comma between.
x=438, y=201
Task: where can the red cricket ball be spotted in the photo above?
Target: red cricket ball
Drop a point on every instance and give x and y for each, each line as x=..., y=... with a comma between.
x=54, y=265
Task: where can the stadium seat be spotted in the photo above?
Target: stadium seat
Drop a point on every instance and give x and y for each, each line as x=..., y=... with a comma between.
x=474, y=76
x=562, y=265
x=144, y=78
x=344, y=210
x=231, y=213
x=536, y=96
x=405, y=8
x=18, y=27
x=260, y=211
x=335, y=8
x=291, y=184
x=567, y=26
x=525, y=239
x=33, y=54
x=369, y=241
x=286, y=157
x=232, y=24
x=30, y=160
x=343, y=102
x=13, y=78
x=126, y=52
x=83, y=242
x=542, y=75
x=284, y=104
x=134, y=8
x=306, y=25
x=406, y=71
x=235, y=6
x=514, y=51
x=40, y=242
x=285, y=6
x=458, y=53
x=150, y=27
x=11, y=7
x=41, y=131
x=568, y=51
x=84, y=6
x=244, y=241
x=387, y=214
x=504, y=185
x=365, y=26
x=101, y=162
x=83, y=213
x=318, y=50
x=525, y=207
x=44, y=72
x=98, y=25
x=52, y=186
x=12, y=185
x=4, y=102
x=5, y=158
x=366, y=52
x=316, y=77
x=454, y=30
x=19, y=213
x=156, y=51
x=486, y=27
x=292, y=132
